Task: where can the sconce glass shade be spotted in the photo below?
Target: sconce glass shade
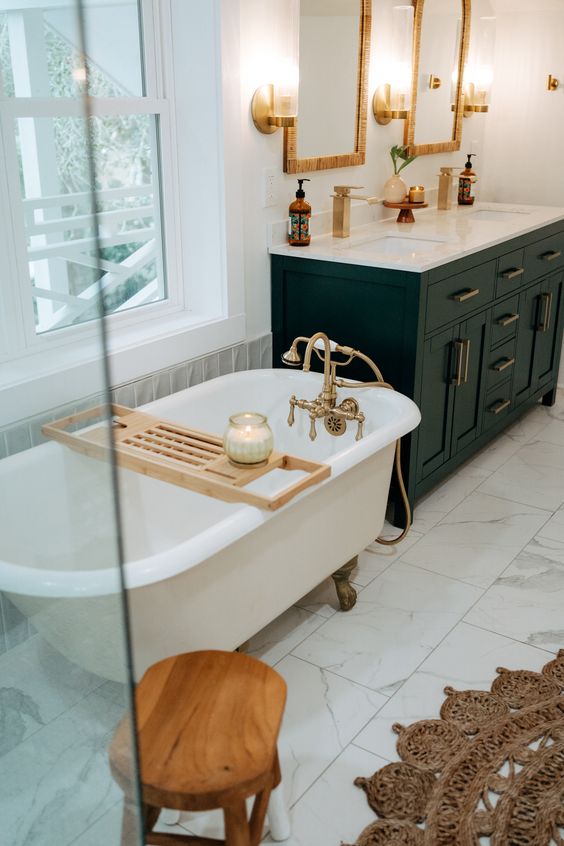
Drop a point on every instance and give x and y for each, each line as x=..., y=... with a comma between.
x=275, y=103
x=286, y=84
x=401, y=71
x=478, y=75
x=392, y=99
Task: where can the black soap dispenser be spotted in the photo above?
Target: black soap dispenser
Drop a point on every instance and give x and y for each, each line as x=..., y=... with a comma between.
x=466, y=182
x=299, y=219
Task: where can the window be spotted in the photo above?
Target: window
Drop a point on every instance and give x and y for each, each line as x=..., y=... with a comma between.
x=45, y=146
x=169, y=192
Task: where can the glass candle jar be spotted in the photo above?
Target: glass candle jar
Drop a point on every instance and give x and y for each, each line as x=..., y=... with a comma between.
x=417, y=194
x=248, y=439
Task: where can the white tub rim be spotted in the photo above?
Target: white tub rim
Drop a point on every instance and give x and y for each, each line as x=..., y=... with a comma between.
x=32, y=581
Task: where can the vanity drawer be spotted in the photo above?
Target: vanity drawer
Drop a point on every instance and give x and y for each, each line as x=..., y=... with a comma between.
x=544, y=256
x=511, y=273
x=455, y=297
x=505, y=319
x=501, y=364
x=498, y=404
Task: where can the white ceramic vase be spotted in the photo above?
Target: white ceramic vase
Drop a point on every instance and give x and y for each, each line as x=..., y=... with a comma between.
x=395, y=189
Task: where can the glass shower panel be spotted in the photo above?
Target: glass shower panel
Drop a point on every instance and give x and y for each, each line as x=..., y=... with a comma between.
x=65, y=670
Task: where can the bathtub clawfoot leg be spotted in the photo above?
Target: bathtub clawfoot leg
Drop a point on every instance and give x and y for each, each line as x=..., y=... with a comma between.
x=345, y=591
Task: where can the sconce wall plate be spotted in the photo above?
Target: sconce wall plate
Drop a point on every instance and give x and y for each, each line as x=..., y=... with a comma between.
x=262, y=110
x=381, y=106
x=552, y=83
x=434, y=82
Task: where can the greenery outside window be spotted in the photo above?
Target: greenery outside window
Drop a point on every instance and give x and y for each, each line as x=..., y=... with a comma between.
x=43, y=143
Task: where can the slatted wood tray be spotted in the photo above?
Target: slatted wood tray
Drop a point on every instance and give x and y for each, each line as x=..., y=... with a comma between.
x=182, y=456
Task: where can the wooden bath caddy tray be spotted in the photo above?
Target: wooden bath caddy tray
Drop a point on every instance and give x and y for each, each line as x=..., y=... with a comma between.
x=179, y=455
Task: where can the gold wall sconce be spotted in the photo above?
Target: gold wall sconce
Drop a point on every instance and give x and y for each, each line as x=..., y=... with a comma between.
x=392, y=100
x=275, y=104
x=552, y=83
x=266, y=117
x=434, y=82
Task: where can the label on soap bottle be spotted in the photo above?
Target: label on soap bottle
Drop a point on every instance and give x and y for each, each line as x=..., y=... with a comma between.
x=298, y=226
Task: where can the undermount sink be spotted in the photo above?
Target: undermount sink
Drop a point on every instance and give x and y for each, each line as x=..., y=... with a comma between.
x=495, y=214
x=397, y=245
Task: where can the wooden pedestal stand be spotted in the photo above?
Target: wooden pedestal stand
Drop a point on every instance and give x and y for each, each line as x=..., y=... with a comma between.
x=406, y=210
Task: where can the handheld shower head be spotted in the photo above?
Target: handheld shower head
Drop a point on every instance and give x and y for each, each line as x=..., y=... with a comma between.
x=292, y=357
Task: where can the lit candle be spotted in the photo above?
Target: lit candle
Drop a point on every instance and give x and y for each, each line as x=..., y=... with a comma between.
x=248, y=438
x=417, y=194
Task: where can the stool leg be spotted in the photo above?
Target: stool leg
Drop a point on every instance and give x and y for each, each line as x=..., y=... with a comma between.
x=278, y=817
x=236, y=825
x=258, y=814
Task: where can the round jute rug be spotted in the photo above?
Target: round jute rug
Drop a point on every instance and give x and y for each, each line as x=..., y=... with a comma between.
x=490, y=770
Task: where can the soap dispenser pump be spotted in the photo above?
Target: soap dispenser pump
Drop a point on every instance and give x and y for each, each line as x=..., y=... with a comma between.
x=466, y=182
x=299, y=218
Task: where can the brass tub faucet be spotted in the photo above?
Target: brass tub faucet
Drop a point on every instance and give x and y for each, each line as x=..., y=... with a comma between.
x=325, y=406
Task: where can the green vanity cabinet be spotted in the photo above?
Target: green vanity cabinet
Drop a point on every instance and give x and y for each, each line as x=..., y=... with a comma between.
x=474, y=341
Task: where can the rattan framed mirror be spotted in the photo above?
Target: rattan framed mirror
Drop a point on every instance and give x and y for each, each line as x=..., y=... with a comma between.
x=441, y=35
x=334, y=62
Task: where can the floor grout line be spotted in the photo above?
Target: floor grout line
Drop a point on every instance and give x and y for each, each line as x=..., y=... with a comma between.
x=509, y=637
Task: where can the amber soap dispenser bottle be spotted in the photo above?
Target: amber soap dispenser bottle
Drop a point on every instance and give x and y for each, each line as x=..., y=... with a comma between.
x=466, y=182
x=299, y=219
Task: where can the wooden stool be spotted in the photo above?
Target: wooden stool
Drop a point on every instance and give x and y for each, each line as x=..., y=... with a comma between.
x=207, y=726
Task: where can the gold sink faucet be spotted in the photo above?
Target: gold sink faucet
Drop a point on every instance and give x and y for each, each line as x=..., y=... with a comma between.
x=342, y=208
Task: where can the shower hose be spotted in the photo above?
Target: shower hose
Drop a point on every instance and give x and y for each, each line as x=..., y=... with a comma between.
x=381, y=383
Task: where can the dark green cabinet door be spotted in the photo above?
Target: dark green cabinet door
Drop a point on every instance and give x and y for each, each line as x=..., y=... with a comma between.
x=547, y=335
x=525, y=345
x=470, y=346
x=436, y=403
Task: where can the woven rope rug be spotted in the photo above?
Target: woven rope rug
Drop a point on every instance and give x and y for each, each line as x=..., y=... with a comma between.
x=490, y=770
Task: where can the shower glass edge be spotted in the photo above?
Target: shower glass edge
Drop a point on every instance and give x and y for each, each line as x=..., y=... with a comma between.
x=66, y=678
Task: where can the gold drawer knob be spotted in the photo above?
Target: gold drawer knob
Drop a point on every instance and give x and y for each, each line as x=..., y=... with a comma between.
x=506, y=321
x=466, y=295
x=503, y=364
x=550, y=255
x=499, y=406
x=513, y=272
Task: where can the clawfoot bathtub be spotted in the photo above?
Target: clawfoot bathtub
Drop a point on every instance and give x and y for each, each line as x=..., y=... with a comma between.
x=200, y=573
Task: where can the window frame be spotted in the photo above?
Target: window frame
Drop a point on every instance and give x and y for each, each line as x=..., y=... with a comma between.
x=184, y=325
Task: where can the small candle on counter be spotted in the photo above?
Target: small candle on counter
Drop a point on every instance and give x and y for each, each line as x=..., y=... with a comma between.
x=248, y=439
x=417, y=194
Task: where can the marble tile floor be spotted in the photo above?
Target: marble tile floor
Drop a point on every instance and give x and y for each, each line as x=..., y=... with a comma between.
x=478, y=583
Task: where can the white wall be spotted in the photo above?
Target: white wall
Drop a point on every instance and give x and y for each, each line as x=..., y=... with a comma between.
x=525, y=128
x=265, y=151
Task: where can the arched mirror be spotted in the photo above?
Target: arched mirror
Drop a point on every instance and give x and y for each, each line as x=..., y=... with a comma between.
x=333, y=92
x=441, y=35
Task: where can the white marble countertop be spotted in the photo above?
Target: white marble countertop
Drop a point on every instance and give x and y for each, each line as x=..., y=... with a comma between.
x=448, y=236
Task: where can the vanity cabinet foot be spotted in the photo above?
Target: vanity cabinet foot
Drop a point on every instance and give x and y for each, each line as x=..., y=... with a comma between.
x=550, y=398
x=346, y=594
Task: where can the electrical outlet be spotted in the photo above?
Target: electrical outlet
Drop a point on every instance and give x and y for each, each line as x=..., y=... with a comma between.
x=270, y=187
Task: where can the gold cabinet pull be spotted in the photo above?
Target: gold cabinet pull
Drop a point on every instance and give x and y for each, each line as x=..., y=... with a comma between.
x=546, y=300
x=550, y=255
x=466, y=349
x=499, y=406
x=503, y=364
x=513, y=272
x=505, y=321
x=466, y=295
x=457, y=378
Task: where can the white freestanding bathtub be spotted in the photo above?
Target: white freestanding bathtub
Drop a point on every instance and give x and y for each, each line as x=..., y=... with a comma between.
x=200, y=573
